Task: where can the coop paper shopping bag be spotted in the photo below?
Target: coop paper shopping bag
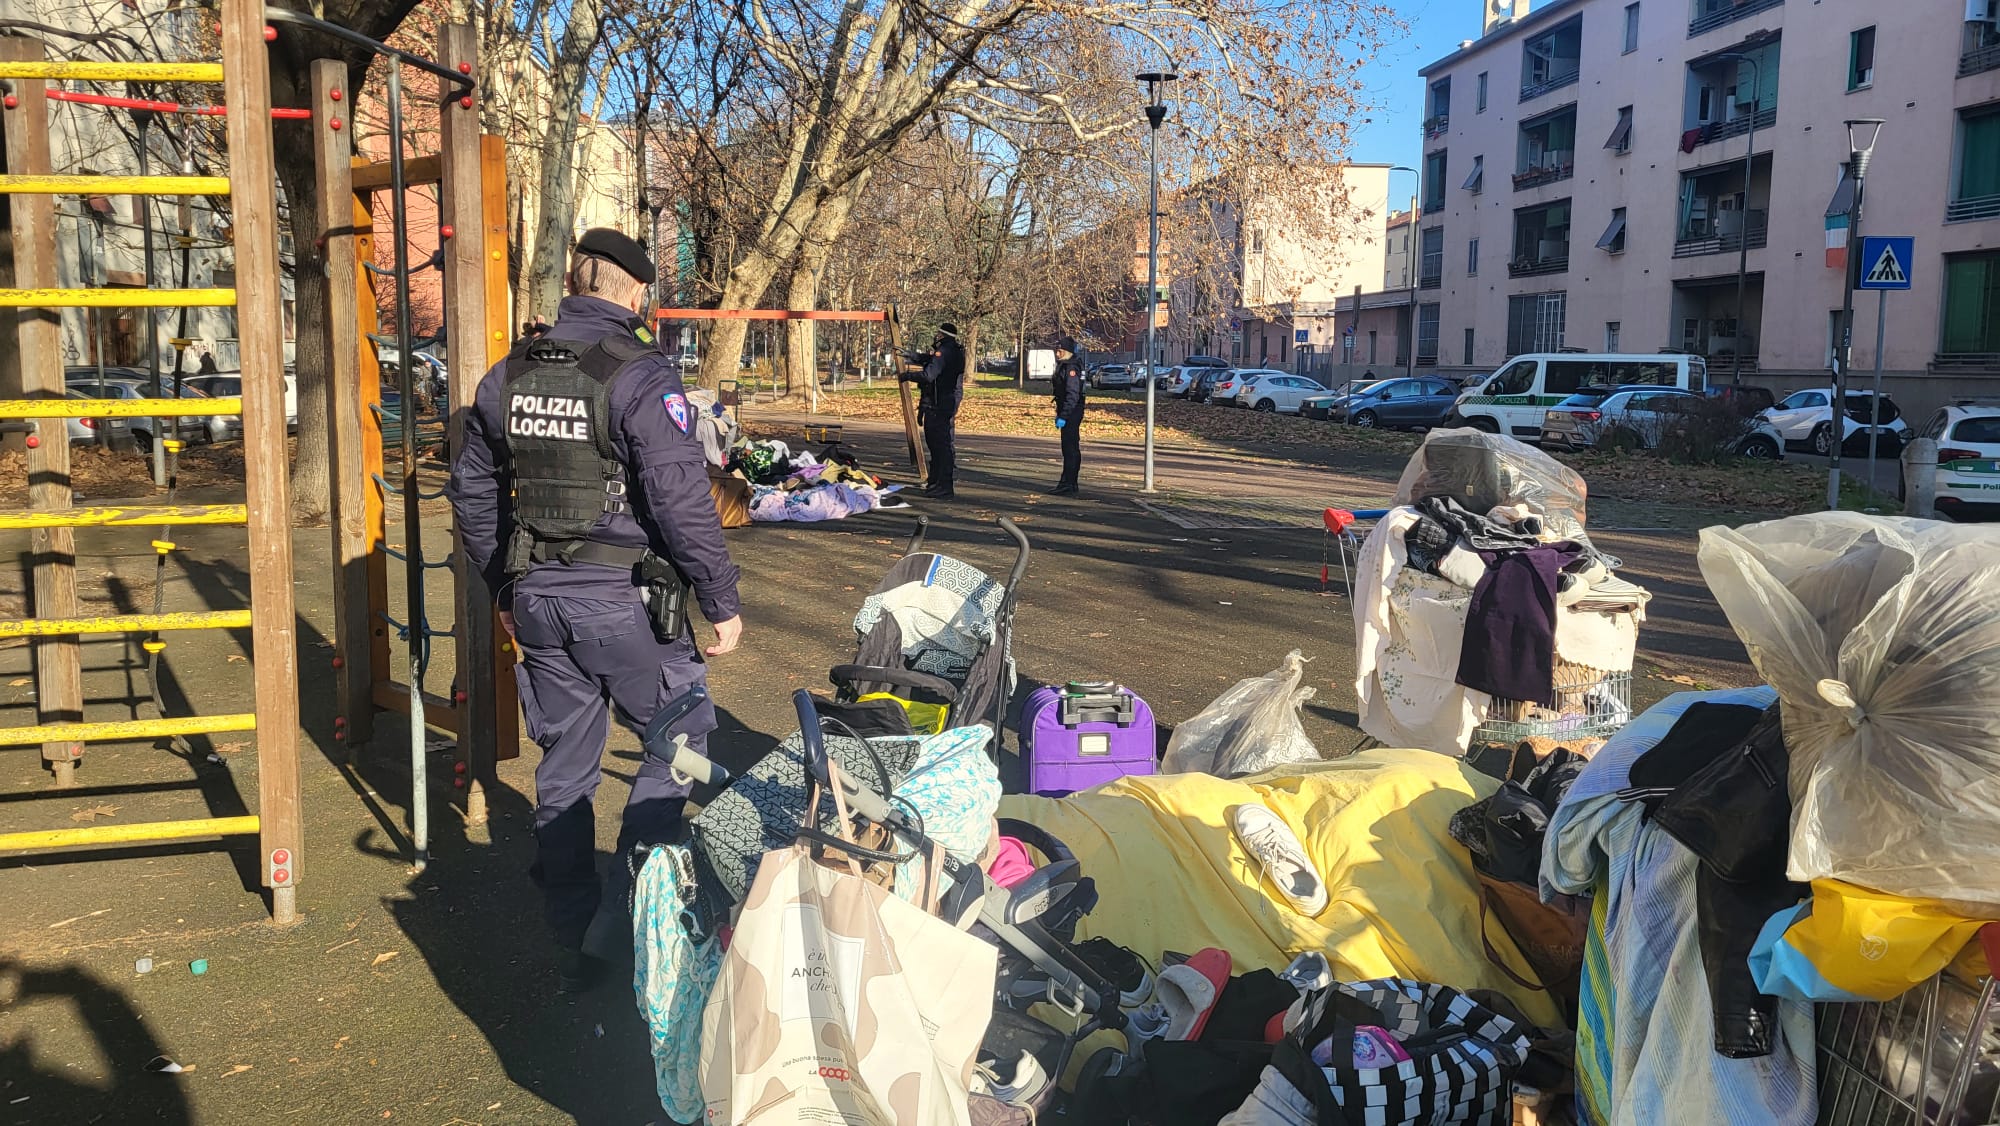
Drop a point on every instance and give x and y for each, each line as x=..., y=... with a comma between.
x=840, y=1004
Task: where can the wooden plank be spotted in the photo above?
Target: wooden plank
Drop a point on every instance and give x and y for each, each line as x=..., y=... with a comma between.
x=416, y=170
x=118, y=408
x=910, y=431
x=493, y=199
x=122, y=730
x=36, y=297
x=154, y=832
x=462, y=208
x=58, y=667
x=114, y=185
x=125, y=517
x=353, y=617
x=267, y=466
x=39, y=71
x=375, y=504
x=394, y=696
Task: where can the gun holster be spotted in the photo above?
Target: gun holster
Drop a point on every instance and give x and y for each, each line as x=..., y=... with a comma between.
x=520, y=551
x=666, y=597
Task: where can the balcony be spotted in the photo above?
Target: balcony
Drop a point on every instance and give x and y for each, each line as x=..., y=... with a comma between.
x=1551, y=60
x=1711, y=14
x=1555, y=82
x=1547, y=262
x=1965, y=363
x=1551, y=168
x=1736, y=127
x=1713, y=238
x=1973, y=207
x=1981, y=50
x=1435, y=127
x=1430, y=281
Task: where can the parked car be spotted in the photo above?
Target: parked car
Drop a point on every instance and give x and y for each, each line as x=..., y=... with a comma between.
x=1398, y=404
x=229, y=385
x=1745, y=398
x=1114, y=377
x=189, y=428
x=1804, y=419
x=1205, y=383
x=1515, y=399
x=1968, y=468
x=1637, y=418
x=1183, y=380
x=1234, y=390
x=1280, y=392
x=1332, y=405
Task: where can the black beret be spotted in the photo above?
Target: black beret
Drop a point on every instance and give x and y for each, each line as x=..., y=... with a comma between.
x=949, y=329
x=1067, y=344
x=620, y=250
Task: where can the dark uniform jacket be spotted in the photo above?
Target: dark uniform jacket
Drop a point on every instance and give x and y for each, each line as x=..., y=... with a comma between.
x=1068, y=387
x=941, y=384
x=668, y=503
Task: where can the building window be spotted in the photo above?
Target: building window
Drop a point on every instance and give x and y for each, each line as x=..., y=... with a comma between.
x=1611, y=330
x=1256, y=240
x=1631, y=28
x=1371, y=345
x=1427, y=333
x=1472, y=258
x=1541, y=240
x=1976, y=188
x=1550, y=61
x=1440, y=116
x=1621, y=133
x=1476, y=179
x=1479, y=93
x=1546, y=151
x=1715, y=216
x=1861, y=59
x=1613, y=239
x=1971, y=303
x=1535, y=322
x=1430, y=273
x=1434, y=173
x=1468, y=348
x=1724, y=94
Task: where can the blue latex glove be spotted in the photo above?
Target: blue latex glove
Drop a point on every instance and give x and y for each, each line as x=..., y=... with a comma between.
x=1059, y=423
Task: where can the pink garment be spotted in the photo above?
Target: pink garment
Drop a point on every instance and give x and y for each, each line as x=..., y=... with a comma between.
x=1011, y=863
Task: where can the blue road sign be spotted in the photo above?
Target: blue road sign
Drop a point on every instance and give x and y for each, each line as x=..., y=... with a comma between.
x=1886, y=261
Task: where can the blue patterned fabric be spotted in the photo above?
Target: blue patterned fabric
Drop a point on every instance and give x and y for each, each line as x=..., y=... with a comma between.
x=1645, y=1026
x=672, y=974
x=954, y=788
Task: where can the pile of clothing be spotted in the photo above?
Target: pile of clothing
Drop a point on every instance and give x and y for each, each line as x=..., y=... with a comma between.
x=805, y=486
x=1480, y=597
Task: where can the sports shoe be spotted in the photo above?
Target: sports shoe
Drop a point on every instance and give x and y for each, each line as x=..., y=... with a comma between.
x=1189, y=992
x=1018, y=1082
x=1119, y=966
x=577, y=972
x=1283, y=859
x=1147, y=1022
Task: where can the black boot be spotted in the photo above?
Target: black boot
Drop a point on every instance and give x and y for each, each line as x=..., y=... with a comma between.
x=577, y=972
x=1064, y=489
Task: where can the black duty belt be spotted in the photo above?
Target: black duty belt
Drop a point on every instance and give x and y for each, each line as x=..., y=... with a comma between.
x=588, y=551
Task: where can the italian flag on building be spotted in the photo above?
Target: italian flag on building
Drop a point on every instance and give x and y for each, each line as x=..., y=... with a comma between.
x=1836, y=242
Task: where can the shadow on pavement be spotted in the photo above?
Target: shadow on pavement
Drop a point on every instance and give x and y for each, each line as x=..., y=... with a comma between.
x=118, y=1034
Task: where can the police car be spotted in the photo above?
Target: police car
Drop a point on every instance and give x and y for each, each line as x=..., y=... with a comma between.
x=1968, y=468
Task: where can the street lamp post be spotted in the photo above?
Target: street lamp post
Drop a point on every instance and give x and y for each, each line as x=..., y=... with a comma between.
x=1743, y=233
x=1156, y=114
x=1861, y=134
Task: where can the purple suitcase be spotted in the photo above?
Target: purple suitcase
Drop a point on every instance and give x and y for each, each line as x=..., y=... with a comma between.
x=1083, y=734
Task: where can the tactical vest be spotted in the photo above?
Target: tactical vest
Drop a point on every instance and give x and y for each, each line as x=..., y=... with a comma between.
x=556, y=404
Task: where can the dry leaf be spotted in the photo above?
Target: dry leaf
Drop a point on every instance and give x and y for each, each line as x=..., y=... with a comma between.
x=94, y=812
x=237, y=658
x=381, y=958
x=236, y=1069
x=22, y=682
x=230, y=748
x=1099, y=636
x=1676, y=678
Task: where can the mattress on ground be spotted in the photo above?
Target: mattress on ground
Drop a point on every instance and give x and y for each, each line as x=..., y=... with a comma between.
x=1403, y=900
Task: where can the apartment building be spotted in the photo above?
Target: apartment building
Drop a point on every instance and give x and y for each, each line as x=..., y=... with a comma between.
x=1584, y=186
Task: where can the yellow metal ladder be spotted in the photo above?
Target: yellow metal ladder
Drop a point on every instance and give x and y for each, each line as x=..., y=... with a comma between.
x=52, y=516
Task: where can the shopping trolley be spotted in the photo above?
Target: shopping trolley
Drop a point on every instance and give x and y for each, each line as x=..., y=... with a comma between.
x=1928, y=1058
x=1346, y=541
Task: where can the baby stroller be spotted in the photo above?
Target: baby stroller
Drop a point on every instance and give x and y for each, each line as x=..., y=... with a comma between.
x=1033, y=924
x=934, y=646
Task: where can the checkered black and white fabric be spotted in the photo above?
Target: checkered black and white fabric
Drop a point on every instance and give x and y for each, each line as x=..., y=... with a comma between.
x=1463, y=1056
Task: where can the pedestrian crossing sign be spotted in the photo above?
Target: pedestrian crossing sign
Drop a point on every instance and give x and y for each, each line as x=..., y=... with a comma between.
x=1886, y=261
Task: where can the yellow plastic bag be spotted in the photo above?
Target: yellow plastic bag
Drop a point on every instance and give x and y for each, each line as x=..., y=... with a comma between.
x=925, y=719
x=1850, y=943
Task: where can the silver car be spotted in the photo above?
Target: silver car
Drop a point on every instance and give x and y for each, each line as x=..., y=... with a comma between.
x=188, y=428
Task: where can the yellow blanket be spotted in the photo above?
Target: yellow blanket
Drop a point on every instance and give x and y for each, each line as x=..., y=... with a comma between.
x=1403, y=898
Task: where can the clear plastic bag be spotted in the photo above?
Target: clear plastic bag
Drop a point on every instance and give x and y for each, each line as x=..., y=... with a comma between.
x=1486, y=471
x=1252, y=727
x=1882, y=638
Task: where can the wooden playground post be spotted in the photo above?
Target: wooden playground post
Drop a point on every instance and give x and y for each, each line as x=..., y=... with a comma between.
x=58, y=661
x=499, y=338
x=353, y=622
x=267, y=485
x=463, y=213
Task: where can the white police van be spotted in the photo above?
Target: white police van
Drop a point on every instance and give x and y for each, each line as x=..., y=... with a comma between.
x=1516, y=399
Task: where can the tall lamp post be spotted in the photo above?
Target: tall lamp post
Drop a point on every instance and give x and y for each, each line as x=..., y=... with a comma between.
x=1743, y=234
x=1156, y=114
x=1861, y=134
x=1409, y=279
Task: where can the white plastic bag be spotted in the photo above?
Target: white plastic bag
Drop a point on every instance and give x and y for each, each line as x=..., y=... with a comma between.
x=1253, y=726
x=1882, y=638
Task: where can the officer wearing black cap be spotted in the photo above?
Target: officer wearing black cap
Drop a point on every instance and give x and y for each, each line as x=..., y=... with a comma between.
x=581, y=491
x=940, y=387
x=1068, y=387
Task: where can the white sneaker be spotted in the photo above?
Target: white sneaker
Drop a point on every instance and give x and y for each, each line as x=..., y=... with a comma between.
x=1018, y=1082
x=1284, y=860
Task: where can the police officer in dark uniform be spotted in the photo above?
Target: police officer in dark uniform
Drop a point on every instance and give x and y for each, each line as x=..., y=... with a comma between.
x=581, y=492
x=1068, y=387
x=940, y=388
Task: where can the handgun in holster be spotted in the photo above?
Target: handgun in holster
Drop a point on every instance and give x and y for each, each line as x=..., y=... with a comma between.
x=666, y=597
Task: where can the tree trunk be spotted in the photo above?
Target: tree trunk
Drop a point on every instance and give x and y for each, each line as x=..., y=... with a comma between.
x=802, y=337
x=293, y=146
x=558, y=199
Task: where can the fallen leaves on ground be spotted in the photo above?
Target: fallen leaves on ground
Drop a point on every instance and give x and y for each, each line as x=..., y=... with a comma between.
x=236, y=1069
x=231, y=748
x=383, y=957
x=237, y=659
x=94, y=812
x=19, y=682
x=98, y=473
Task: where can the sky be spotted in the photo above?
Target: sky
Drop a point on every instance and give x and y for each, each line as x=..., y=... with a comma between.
x=1391, y=135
